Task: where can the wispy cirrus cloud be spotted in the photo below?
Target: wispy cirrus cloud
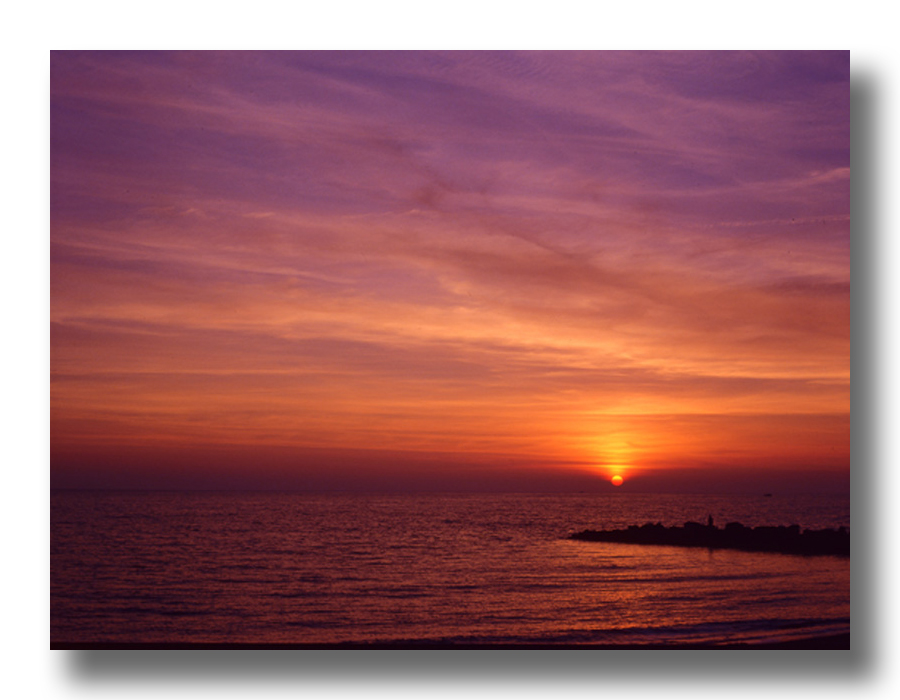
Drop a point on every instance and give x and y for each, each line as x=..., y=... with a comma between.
x=450, y=251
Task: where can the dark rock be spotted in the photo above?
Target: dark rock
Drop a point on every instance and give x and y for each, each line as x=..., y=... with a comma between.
x=781, y=539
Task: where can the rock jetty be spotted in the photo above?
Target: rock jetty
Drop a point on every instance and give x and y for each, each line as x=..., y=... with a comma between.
x=784, y=540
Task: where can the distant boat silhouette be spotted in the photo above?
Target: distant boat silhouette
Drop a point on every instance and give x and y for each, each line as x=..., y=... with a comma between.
x=767, y=495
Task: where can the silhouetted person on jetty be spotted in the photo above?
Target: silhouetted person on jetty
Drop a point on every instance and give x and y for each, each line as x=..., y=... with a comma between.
x=781, y=539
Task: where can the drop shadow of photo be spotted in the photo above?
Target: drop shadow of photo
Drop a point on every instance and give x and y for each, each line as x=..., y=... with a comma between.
x=88, y=668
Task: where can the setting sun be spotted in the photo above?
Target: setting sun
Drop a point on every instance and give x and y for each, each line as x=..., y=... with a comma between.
x=617, y=480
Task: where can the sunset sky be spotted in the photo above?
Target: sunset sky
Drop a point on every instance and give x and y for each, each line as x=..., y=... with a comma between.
x=460, y=271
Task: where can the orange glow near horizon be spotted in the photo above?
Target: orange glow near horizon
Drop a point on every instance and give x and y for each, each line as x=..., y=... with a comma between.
x=522, y=265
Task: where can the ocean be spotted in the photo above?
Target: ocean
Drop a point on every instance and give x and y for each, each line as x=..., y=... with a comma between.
x=419, y=570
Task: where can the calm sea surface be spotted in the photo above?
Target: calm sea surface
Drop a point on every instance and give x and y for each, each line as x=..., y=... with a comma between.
x=263, y=568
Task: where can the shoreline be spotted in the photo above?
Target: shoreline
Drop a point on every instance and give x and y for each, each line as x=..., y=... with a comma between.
x=832, y=642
